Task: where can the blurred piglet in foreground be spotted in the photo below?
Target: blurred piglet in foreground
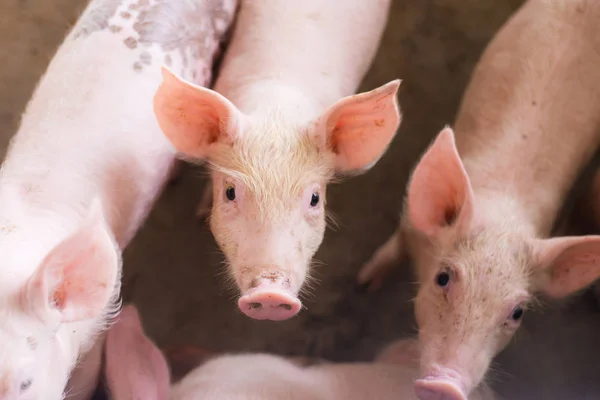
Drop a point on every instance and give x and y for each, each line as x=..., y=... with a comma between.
x=136, y=369
x=283, y=122
x=80, y=177
x=480, y=205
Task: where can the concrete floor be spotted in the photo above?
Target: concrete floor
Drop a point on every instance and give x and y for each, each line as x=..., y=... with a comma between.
x=172, y=269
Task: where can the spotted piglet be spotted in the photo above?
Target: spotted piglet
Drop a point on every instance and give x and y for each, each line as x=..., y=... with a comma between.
x=481, y=203
x=81, y=175
x=281, y=122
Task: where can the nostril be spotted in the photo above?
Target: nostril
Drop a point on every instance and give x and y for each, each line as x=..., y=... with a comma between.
x=287, y=307
x=255, y=306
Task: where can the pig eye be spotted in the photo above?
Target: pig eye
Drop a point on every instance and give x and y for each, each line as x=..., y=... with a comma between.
x=517, y=313
x=314, y=200
x=230, y=193
x=26, y=384
x=442, y=279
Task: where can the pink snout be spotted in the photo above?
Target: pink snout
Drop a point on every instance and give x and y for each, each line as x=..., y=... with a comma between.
x=438, y=389
x=269, y=301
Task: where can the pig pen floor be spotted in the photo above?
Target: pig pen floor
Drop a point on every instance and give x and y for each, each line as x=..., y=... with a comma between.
x=172, y=269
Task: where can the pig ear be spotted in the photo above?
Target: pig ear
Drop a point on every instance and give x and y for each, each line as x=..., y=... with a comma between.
x=439, y=192
x=78, y=278
x=358, y=129
x=566, y=264
x=193, y=118
x=135, y=367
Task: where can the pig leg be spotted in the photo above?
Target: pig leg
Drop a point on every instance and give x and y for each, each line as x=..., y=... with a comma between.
x=203, y=208
x=382, y=262
x=135, y=367
x=588, y=212
x=86, y=375
x=175, y=171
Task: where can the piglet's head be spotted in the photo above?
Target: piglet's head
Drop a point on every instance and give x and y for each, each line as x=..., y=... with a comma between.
x=269, y=179
x=482, y=276
x=76, y=281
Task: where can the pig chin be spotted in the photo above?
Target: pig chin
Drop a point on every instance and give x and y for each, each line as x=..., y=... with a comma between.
x=268, y=293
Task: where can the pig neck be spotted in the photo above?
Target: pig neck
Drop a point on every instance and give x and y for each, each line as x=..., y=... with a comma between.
x=310, y=53
x=529, y=120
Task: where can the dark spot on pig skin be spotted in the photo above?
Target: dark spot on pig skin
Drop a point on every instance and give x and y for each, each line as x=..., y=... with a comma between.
x=379, y=122
x=137, y=66
x=534, y=103
x=114, y=29
x=130, y=42
x=523, y=136
x=272, y=276
x=146, y=58
x=32, y=343
x=125, y=15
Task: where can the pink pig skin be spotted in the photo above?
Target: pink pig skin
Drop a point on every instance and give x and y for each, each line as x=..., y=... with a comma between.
x=481, y=203
x=136, y=369
x=80, y=177
x=283, y=119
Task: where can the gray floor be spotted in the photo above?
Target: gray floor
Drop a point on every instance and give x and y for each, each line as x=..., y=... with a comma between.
x=172, y=269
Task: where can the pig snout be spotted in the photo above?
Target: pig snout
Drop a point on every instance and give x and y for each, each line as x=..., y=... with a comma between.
x=440, y=386
x=269, y=298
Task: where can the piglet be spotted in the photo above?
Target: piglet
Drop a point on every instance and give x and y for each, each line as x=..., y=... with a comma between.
x=481, y=203
x=81, y=175
x=136, y=369
x=281, y=122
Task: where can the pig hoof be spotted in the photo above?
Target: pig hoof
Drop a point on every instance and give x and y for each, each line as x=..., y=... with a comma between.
x=273, y=305
x=438, y=390
x=381, y=263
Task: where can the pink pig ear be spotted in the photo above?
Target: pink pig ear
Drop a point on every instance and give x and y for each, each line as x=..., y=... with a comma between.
x=359, y=128
x=192, y=117
x=439, y=192
x=566, y=264
x=79, y=277
x=135, y=367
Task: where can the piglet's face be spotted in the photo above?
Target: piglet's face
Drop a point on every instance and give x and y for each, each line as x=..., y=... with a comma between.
x=270, y=177
x=269, y=219
x=470, y=303
x=480, y=275
x=32, y=363
x=76, y=281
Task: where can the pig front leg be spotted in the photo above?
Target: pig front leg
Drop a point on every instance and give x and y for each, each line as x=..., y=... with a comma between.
x=174, y=172
x=382, y=262
x=585, y=219
x=86, y=375
x=205, y=203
